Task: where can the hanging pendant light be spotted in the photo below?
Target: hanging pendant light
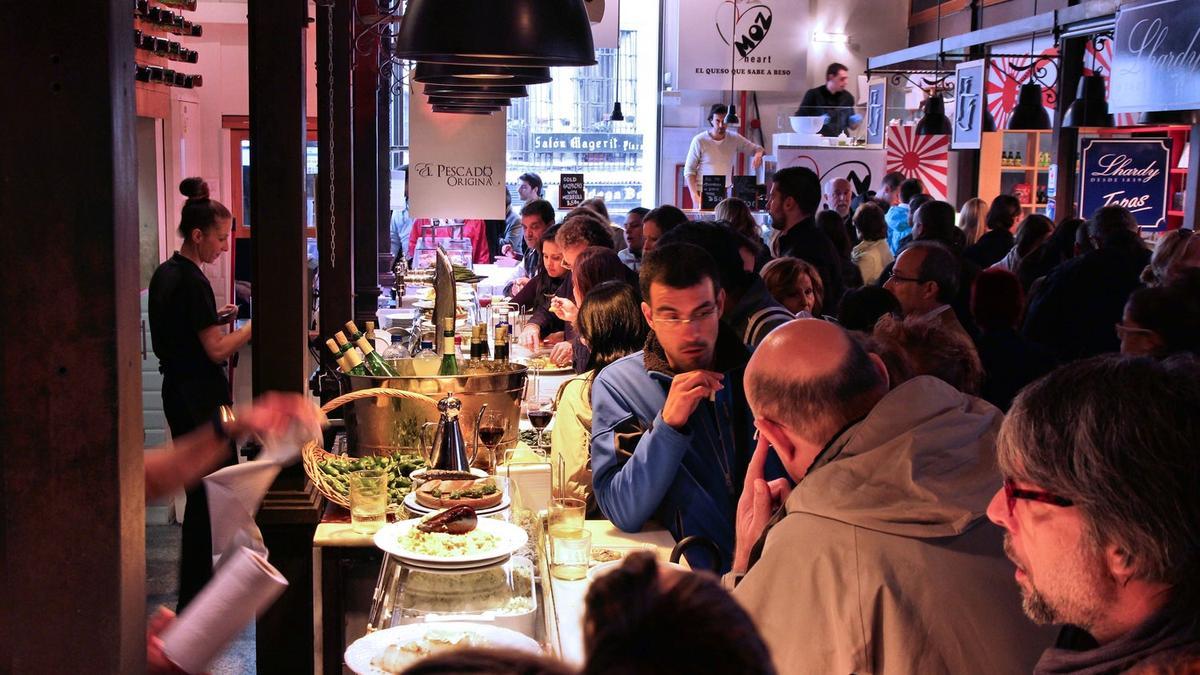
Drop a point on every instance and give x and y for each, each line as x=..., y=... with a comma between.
x=471, y=76
x=479, y=91
x=497, y=32
x=1089, y=109
x=989, y=122
x=466, y=109
x=617, y=115
x=454, y=100
x=1030, y=114
x=935, y=122
x=1161, y=118
x=731, y=116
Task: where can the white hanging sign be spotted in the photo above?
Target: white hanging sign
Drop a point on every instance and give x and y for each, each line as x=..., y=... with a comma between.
x=456, y=163
x=764, y=41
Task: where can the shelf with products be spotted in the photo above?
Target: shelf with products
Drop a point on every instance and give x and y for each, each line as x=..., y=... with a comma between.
x=1015, y=163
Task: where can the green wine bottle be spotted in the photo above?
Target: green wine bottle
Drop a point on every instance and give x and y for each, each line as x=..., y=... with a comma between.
x=375, y=363
x=350, y=362
x=449, y=360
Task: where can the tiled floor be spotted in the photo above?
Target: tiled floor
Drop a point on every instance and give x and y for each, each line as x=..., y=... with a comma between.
x=162, y=581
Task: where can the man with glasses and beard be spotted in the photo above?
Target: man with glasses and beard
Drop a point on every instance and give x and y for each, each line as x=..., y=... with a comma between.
x=1101, y=508
x=671, y=431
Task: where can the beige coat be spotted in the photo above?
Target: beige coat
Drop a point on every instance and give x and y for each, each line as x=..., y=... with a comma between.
x=571, y=437
x=885, y=561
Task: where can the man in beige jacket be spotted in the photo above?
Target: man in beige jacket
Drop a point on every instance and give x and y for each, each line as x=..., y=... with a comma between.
x=881, y=559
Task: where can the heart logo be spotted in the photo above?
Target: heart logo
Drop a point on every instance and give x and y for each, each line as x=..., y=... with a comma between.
x=749, y=26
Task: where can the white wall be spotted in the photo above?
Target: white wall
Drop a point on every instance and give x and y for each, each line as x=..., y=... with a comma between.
x=874, y=26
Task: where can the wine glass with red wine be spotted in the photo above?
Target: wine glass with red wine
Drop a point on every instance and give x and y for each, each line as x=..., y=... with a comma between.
x=539, y=410
x=492, y=428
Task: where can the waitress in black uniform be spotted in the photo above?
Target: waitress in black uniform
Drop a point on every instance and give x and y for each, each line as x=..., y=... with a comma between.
x=192, y=344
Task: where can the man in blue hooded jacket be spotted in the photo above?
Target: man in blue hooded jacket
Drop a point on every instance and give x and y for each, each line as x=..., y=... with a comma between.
x=671, y=429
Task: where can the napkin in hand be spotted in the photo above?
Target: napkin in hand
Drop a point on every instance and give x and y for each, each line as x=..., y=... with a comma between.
x=243, y=588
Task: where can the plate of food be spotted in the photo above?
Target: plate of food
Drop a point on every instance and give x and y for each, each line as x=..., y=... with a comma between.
x=544, y=365
x=394, y=649
x=478, y=493
x=454, y=537
x=413, y=506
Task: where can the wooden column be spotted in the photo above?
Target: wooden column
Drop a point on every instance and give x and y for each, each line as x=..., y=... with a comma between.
x=1066, y=140
x=365, y=84
x=291, y=508
x=334, y=227
x=72, y=494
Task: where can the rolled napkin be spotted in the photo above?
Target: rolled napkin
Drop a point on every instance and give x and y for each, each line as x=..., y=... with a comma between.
x=242, y=589
x=235, y=492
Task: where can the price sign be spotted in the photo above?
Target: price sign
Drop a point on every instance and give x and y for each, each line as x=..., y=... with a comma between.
x=570, y=190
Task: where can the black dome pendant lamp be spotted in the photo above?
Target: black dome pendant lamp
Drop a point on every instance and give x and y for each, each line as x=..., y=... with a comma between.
x=519, y=33
x=1089, y=109
x=1030, y=114
x=473, y=76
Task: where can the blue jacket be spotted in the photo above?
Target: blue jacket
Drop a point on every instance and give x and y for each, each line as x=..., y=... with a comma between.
x=690, y=480
x=897, y=224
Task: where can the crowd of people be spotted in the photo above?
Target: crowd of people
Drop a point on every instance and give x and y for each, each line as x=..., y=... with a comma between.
x=892, y=422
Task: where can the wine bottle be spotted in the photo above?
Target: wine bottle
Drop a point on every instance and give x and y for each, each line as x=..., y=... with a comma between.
x=370, y=332
x=342, y=342
x=375, y=363
x=501, y=353
x=353, y=331
x=449, y=364
x=484, y=350
x=347, y=359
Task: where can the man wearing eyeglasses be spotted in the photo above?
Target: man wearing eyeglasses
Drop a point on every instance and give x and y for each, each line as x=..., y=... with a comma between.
x=881, y=559
x=1101, y=509
x=924, y=280
x=671, y=431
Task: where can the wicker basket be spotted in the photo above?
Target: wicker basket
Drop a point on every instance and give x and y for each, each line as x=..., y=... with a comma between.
x=312, y=453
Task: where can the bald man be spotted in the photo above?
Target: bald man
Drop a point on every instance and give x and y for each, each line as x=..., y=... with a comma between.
x=881, y=559
x=839, y=196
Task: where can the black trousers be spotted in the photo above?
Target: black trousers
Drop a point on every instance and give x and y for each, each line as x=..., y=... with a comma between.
x=189, y=403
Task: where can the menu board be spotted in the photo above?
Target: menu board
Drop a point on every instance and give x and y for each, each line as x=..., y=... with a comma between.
x=712, y=192
x=570, y=190
x=1126, y=172
x=745, y=188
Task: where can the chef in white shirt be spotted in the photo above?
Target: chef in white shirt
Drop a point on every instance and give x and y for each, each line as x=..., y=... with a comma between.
x=712, y=152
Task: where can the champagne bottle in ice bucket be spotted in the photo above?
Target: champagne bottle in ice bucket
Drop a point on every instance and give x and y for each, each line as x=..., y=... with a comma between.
x=448, y=450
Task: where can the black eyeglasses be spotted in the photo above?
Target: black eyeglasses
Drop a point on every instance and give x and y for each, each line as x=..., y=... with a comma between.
x=897, y=277
x=1012, y=493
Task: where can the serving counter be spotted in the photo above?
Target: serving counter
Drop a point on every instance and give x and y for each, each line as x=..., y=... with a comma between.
x=346, y=565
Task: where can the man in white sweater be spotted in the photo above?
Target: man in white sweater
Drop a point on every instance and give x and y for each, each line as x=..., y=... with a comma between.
x=712, y=152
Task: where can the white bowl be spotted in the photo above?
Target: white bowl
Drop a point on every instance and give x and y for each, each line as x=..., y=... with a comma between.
x=807, y=125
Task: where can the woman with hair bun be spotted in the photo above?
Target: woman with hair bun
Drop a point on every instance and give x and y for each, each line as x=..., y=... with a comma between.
x=192, y=345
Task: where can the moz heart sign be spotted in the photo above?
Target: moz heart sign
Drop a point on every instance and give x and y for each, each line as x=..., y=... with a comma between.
x=760, y=39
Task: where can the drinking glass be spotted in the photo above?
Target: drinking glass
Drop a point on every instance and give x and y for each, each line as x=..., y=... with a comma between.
x=368, y=500
x=493, y=427
x=566, y=515
x=539, y=410
x=570, y=553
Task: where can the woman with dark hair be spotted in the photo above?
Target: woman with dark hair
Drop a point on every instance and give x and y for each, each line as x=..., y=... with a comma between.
x=831, y=223
x=872, y=254
x=991, y=247
x=610, y=322
x=537, y=293
x=593, y=266
x=1032, y=233
x=1058, y=248
x=1160, y=321
x=192, y=344
x=736, y=213
x=641, y=621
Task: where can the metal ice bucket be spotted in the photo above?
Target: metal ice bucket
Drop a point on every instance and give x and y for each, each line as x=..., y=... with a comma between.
x=380, y=425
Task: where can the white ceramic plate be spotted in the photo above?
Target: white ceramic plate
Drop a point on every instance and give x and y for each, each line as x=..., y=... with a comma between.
x=550, y=369
x=361, y=651
x=510, y=538
x=411, y=503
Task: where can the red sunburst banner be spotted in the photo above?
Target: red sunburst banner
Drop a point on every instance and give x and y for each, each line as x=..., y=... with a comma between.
x=924, y=157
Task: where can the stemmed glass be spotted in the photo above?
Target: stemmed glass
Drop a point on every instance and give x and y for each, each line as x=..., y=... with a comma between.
x=540, y=410
x=492, y=428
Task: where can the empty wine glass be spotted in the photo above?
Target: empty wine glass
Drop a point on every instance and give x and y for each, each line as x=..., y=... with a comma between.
x=493, y=426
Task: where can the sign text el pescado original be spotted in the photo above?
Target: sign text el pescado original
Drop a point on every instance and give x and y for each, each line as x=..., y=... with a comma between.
x=456, y=175
x=587, y=142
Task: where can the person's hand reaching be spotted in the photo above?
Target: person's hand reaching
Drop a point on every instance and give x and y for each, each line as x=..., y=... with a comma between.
x=560, y=354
